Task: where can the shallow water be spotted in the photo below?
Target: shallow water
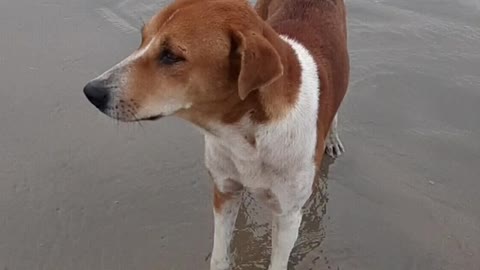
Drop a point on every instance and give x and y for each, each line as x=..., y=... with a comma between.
x=79, y=191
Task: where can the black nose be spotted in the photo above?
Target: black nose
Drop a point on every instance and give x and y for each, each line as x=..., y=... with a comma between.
x=97, y=93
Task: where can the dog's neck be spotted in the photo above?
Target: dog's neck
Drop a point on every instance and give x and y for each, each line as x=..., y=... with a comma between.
x=249, y=140
x=278, y=98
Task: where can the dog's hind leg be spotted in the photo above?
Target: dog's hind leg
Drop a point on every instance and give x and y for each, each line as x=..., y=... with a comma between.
x=333, y=145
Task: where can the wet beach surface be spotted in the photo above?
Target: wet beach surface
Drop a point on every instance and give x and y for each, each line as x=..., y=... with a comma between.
x=80, y=191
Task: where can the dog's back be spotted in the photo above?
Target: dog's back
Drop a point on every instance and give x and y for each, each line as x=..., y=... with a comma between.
x=320, y=25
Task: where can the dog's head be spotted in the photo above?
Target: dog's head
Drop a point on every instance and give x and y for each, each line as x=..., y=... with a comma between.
x=194, y=55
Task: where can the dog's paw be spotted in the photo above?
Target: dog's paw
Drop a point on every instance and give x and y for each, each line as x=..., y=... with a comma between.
x=223, y=264
x=334, y=146
x=277, y=268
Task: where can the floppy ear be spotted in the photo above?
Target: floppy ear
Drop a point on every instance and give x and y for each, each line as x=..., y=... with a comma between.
x=260, y=64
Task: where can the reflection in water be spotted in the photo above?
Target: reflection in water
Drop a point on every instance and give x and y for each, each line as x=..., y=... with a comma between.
x=252, y=243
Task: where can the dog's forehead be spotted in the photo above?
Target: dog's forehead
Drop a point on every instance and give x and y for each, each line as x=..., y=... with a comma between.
x=189, y=28
x=197, y=15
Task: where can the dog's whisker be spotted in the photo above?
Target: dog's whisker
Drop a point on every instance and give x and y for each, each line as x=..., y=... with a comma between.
x=138, y=121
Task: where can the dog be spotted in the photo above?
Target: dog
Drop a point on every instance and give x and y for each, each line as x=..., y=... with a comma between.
x=263, y=84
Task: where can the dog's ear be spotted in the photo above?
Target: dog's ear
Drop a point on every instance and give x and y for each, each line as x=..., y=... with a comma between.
x=258, y=63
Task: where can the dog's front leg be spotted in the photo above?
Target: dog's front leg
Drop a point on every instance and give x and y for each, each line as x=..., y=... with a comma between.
x=226, y=204
x=284, y=234
x=286, y=222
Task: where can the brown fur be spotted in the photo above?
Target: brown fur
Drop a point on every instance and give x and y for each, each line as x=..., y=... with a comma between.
x=222, y=197
x=237, y=64
x=231, y=63
x=219, y=198
x=319, y=25
x=234, y=64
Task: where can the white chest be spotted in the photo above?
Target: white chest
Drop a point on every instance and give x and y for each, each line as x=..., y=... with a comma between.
x=281, y=150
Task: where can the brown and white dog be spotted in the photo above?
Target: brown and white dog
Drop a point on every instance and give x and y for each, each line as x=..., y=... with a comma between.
x=264, y=85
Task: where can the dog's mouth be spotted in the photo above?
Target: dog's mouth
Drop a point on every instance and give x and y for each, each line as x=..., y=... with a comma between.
x=153, y=118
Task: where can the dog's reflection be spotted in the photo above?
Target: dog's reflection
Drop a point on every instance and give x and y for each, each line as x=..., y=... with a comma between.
x=251, y=245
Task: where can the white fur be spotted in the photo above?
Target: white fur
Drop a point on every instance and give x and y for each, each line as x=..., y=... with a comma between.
x=119, y=75
x=117, y=69
x=165, y=107
x=281, y=164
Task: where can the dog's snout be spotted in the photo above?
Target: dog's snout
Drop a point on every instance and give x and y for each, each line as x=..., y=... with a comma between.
x=97, y=93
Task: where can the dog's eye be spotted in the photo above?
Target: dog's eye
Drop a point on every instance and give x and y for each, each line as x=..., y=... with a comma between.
x=169, y=58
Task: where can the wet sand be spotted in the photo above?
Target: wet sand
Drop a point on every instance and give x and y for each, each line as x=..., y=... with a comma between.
x=79, y=191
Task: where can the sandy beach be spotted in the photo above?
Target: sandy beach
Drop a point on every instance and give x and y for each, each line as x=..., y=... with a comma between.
x=79, y=191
